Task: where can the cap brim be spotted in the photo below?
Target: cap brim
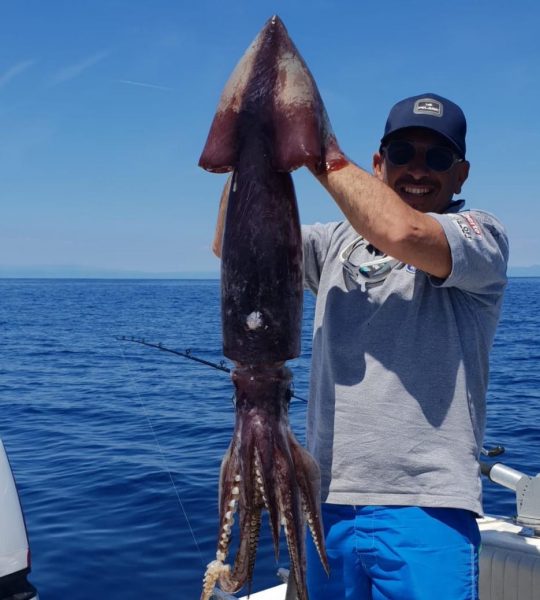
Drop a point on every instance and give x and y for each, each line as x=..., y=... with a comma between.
x=455, y=147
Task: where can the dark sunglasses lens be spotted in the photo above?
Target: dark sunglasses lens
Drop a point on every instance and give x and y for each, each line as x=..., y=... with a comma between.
x=439, y=158
x=400, y=153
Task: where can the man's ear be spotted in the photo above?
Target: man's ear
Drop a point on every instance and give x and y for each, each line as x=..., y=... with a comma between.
x=462, y=175
x=378, y=165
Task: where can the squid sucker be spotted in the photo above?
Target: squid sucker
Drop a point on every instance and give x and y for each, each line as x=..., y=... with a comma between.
x=270, y=120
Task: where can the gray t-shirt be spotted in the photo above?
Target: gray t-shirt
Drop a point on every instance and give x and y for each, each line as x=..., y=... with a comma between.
x=400, y=369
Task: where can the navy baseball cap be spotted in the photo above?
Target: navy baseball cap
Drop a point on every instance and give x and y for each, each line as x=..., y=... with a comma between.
x=430, y=111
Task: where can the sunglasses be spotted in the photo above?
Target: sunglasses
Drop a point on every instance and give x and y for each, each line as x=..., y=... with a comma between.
x=438, y=158
x=364, y=272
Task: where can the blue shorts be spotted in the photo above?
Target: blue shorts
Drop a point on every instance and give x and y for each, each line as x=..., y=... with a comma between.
x=396, y=553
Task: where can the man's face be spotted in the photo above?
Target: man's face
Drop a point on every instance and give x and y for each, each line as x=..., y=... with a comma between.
x=419, y=186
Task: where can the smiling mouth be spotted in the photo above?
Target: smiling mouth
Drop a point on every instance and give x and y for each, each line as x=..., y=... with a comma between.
x=416, y=190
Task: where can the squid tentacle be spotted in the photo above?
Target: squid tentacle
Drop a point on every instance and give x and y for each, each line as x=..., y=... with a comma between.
x=309, y=481
x=265, y=479
x=292, y=519
x=231, y=580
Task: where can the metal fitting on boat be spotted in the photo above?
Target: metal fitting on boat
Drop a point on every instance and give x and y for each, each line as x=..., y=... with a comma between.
x=527, y=490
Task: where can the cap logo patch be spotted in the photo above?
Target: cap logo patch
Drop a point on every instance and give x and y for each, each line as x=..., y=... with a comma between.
x=428, y=106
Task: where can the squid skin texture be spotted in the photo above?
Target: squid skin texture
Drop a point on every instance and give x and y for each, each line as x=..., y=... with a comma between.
x=270, y=121
x=261, y=264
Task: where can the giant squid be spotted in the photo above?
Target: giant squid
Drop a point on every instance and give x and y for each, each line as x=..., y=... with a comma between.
x=270, y=120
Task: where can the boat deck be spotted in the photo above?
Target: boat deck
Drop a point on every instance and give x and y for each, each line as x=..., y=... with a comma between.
x=276, y=593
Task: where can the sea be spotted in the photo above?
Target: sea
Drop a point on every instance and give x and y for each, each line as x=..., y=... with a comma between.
x=116, y=447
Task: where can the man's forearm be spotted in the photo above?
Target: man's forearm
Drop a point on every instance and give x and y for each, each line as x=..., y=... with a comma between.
x=382, y=217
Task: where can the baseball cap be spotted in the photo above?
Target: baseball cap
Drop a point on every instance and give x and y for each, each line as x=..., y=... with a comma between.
x=430, y=111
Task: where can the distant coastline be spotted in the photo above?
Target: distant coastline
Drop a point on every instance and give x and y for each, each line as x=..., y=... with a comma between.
x=532, y=271
x=97, y=273
x=75, y=272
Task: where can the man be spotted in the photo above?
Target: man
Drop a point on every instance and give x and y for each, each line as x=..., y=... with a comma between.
x=409, y=289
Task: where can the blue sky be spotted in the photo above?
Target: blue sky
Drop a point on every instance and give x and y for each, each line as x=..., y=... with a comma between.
x=105, y=106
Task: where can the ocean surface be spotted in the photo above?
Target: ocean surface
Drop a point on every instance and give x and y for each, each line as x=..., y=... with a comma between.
x=116, y=447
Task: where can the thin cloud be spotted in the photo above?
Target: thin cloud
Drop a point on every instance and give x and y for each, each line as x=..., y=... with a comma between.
x=73, y=71
x=14, y=71
x=146, y=85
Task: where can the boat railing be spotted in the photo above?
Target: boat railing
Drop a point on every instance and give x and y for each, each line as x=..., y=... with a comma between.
x=526, y=487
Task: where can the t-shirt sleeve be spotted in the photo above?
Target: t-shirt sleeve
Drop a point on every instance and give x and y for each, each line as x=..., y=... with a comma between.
x=316, y=241
x=479, y=247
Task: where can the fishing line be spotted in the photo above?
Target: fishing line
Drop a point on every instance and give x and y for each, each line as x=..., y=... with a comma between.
x=221, y=366
x=163, y=460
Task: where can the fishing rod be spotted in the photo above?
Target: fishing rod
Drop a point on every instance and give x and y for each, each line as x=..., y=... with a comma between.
x=221, y=366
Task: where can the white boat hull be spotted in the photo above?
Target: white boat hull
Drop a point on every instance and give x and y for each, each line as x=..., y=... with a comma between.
x=509, y=561
x=14, y=549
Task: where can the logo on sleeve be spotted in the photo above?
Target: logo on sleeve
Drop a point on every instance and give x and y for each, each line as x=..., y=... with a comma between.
x=467, y=225
x=473, y=224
